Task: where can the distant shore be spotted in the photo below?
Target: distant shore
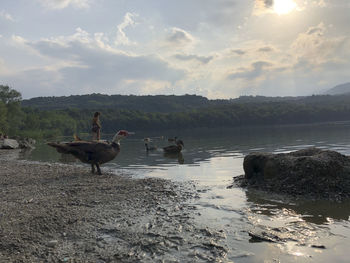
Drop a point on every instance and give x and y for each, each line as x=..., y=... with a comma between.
x=63, y=213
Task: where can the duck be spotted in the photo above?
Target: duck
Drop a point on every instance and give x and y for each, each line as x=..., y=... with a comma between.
x=172, y=139
x=174, y=148
x=92, y=152
x=149, y=148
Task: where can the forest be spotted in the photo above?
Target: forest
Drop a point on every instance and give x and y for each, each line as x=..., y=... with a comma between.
x=49, y=117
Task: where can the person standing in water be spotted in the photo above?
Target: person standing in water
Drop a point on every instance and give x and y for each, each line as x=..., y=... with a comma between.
x=96, y=127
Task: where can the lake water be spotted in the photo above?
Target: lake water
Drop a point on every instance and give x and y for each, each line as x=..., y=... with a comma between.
x=211, y=158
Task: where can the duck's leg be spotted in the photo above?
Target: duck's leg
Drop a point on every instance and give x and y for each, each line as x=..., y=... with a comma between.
x=92, y=168
x=98, y=168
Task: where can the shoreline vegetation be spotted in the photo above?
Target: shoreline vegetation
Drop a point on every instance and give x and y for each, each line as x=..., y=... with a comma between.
x=50, y=117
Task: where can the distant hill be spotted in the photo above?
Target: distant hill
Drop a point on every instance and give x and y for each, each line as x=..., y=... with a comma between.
x=339, y=89
x=158, y=103
x=167, y=103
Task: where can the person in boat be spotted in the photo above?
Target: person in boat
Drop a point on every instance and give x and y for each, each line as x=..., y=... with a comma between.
x=96, y=127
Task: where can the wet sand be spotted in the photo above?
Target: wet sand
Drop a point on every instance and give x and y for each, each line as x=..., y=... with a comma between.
x=63, y=213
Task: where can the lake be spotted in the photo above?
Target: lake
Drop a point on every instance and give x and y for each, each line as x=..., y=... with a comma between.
x=211, y=158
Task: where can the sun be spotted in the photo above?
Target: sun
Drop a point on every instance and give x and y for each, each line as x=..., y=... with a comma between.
x=282, y=7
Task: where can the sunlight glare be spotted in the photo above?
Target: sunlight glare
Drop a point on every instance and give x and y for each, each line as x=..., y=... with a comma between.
x=282, y=7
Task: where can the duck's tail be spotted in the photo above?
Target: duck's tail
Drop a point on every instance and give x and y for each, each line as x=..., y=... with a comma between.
x=61, y=148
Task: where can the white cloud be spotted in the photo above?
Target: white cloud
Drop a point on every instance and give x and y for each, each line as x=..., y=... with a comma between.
x=320, y=3
x=145, y=87
x=179, y=38
x=315, y=47
x=174, y=46
x=256, y=70
x=6, y=16
x=18, y=39
x=84, y=63
x=61, y=4
x=122, y=39
x=201, y=59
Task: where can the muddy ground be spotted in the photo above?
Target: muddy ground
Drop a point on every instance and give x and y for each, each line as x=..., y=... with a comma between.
x=63, y=213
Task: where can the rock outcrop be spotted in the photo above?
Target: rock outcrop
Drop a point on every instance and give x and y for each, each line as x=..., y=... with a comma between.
x=8, y=144
x=17, y=143
x=313, y=172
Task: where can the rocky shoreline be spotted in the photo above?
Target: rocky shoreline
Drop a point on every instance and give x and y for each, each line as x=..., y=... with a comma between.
x=63, y=213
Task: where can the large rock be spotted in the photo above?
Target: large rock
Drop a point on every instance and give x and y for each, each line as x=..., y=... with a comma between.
x=8, y=144
x=312, y=171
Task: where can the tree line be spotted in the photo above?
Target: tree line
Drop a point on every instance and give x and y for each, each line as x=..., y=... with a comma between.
x=29, y=121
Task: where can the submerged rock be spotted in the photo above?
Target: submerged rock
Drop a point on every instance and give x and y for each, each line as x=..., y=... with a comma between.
x=311, y=171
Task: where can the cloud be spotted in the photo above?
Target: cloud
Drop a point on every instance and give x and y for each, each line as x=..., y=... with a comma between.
x=316, y=30
x=279, y=7
x=201, y=59
x=122, y=39
x=263, y=7
x=147, y=87
x=61, y=4
x=6, y=16
x=179, y=37
x=316, y=47
x=239, y=51
x=265, y=49
x=82, y=64
x=320, y=3
x=254, y=71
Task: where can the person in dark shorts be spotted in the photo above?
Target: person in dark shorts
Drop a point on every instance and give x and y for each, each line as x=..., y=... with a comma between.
x=96, y=127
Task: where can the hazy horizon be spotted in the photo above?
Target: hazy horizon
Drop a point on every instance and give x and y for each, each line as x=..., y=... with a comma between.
x=217, y=49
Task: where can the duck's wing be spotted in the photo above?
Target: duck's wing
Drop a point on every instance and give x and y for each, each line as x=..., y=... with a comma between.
x=81, y=147
x=170, y=148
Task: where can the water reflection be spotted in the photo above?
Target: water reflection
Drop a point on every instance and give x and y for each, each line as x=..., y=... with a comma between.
x=317, y=212
x=177, y=156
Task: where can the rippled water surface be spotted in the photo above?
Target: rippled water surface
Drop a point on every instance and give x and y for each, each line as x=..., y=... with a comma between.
x=312, y=231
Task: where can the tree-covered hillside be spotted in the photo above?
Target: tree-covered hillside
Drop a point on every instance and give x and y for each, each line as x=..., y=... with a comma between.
x=157, y=103
x=53, y=116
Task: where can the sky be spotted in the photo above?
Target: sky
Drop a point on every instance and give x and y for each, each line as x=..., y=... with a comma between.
x=219, y=49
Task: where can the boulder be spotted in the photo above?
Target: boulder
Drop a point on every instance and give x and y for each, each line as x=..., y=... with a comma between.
x=311, y=171
x=8, y=144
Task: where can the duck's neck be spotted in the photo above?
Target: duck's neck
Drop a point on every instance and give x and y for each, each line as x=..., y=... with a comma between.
x=116, y=143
